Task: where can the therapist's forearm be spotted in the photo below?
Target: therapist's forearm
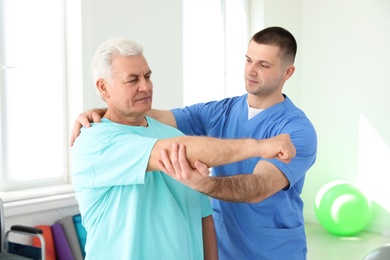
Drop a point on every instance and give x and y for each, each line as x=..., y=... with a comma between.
x=163, y=116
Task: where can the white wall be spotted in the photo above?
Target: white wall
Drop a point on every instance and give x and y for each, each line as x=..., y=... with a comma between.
x=157, y=25
x=344, y=89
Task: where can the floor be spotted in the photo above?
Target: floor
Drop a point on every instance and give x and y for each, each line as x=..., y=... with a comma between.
x=324, y=246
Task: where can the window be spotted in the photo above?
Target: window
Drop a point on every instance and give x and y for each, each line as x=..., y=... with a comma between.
x=214, y=46
x=33, y=93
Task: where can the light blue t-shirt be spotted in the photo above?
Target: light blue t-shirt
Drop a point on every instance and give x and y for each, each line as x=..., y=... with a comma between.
x=273, y=228
x=129, y=213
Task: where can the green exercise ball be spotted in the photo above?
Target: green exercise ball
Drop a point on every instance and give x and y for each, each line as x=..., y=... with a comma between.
x=342, y=208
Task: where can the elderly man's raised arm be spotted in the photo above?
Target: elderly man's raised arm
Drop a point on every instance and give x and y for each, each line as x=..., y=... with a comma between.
x=214, y=151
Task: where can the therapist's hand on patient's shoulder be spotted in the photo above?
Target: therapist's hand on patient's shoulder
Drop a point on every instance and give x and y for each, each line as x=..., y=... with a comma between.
x=85, y=119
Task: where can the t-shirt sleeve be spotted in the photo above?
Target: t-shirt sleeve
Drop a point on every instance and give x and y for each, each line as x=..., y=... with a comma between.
x=123, y=160
x=194, y=119
x=205, y=203
x=304, y=138
x=188, y=120
x=199, y=118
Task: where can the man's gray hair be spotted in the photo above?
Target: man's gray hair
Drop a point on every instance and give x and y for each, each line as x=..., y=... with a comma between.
x=101, y=60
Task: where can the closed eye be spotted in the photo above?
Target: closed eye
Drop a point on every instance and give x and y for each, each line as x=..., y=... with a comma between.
x=148, y=75
x=133, y=81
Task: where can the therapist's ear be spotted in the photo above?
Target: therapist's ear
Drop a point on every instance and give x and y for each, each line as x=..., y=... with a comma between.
x=289, y=72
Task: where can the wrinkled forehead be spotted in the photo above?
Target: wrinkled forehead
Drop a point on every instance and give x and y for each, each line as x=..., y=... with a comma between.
x=130, y=64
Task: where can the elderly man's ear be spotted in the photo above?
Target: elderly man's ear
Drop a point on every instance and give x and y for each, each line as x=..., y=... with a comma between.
x=101, y=85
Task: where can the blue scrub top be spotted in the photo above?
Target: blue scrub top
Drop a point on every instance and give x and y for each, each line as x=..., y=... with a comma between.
x=273, y=228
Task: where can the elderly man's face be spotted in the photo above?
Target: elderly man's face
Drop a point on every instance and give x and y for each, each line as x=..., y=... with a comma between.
x=129, y=93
